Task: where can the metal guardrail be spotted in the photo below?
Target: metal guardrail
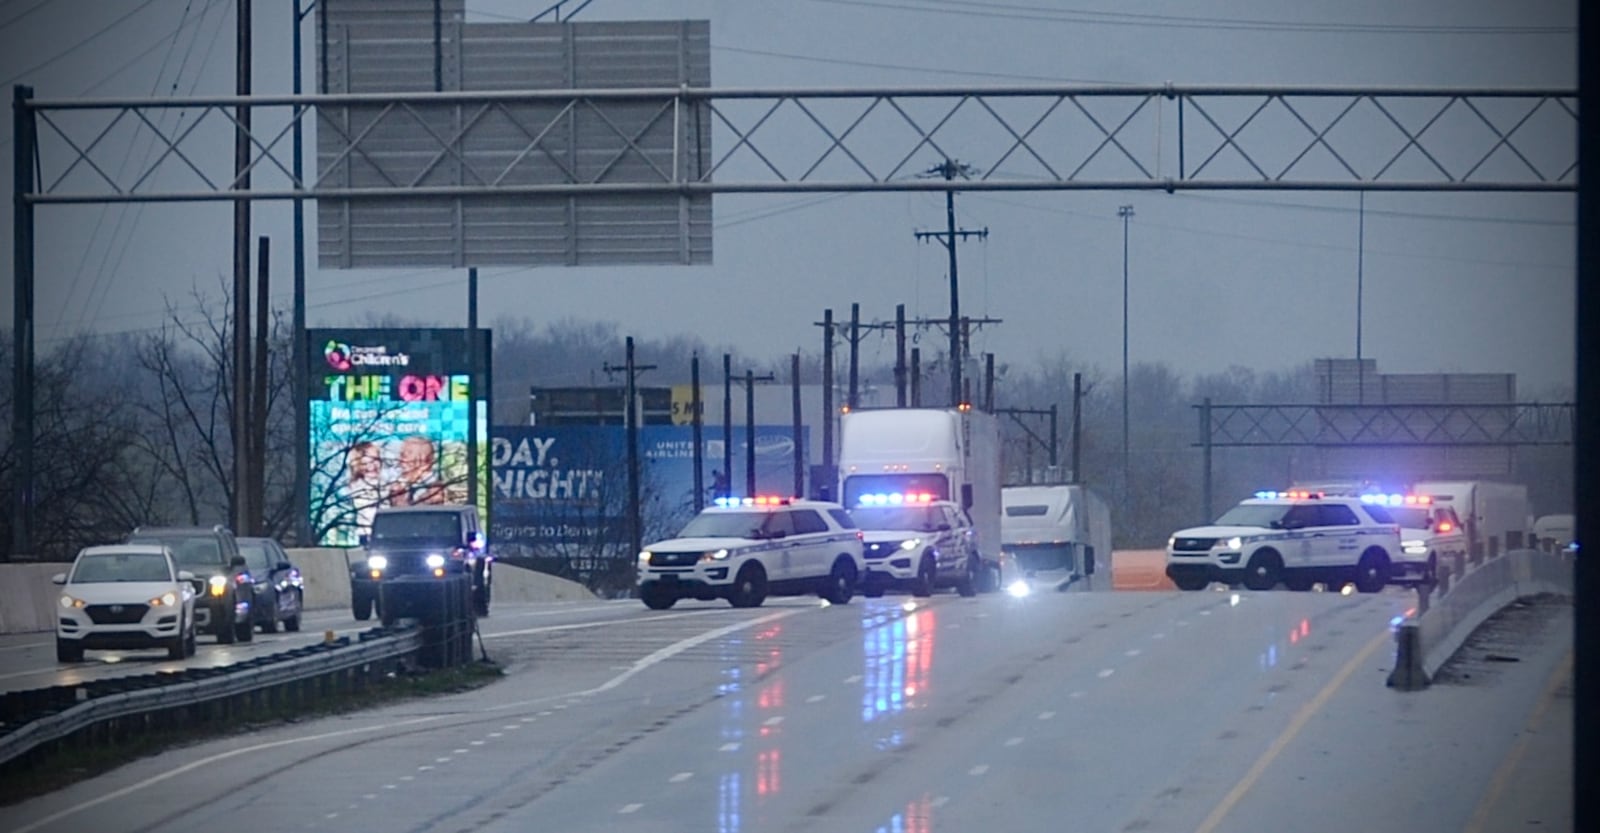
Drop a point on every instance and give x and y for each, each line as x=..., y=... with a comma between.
x=157, y=693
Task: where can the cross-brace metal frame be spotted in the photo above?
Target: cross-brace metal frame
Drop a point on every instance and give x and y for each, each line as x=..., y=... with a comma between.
x=1057, y=137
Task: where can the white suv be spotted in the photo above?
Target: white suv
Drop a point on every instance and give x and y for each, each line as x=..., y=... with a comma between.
x=1297, y=537
x=126, y=596
x=744, y=549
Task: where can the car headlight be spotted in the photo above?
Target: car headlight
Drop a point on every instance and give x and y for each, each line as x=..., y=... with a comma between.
x=168, y=599
x=1233, y=543
x=1415, y=547
x=68, y=601
x=377, y=562
x=716, y=555
x=644, y=558
x=1172, y=541
x=434, y=561
x=218, y=584
x=911, y=544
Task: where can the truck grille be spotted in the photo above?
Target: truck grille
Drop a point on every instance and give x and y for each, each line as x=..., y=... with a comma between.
x=116, y=614
x=1193, y=544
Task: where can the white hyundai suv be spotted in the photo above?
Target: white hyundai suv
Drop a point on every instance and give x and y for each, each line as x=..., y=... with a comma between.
x=1296, y=537
x=125, y=596
x=744, y=549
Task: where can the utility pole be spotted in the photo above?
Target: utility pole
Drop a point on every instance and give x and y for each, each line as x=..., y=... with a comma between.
x=697, y=421
x=1077, y=427
x=827, y=394
x=297, y=372
x=750, y=379
x=474, y=371
x=258, y=396
x=632, y=371
x=854, y=399
x=916, y=377
x=799, y=447
x=241, y=275
x=900, y=355
x=727, y=425
x=1361, y=247
x=1126, y=213
x=950, y=169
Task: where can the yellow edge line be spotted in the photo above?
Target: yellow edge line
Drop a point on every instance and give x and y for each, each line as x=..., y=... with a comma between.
x=1300, y=719
x=1502, y=776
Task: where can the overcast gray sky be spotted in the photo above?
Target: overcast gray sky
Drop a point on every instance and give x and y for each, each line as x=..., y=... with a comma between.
x=1457, y=283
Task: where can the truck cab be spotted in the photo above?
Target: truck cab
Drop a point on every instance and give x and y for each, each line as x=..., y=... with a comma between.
x=410, y=544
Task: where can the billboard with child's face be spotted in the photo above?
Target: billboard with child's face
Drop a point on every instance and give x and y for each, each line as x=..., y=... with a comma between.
x=391, y=414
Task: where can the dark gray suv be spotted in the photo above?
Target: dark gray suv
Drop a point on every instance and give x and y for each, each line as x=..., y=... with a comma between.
x=223, y=584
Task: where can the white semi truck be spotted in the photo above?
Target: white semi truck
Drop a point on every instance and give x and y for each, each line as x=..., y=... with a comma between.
x=1056, y=531
x=950, y=453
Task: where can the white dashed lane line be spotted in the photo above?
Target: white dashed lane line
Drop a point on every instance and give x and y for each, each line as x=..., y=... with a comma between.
x=978, y=770
x=731, y=746
x=1076, y=694
x=939, y=802
x=1013, y=741
x=1106, y=672
x=681, y=777
x=630, y=808
x=853, y=678
x=1133, y=652
x=816, y=698
x=1046, y=715
x=772, y=721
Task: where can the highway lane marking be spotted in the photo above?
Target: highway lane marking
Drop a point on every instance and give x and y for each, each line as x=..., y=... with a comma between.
x=1158, y=636
x=1076, y=694
x=978, y=770
x=497, y=734
x=816, y=698
x=1301, y=718
x=939, y=802
x=772, y=721
x=1013, y=741
x=681, y=777
x=643, y=664
x=408, y=778
x=444, y=760
x=1133, y=652
x=599, y=623
x=1508, y=767
x=1106, y=672
x=332, y=815
x=424, y=767
x=370, y=796
x=459, y=751
x=1046, y=715
x=853, y=678
x=66, y=812
x=477, y=743
x=731, y=746
x=630, y=808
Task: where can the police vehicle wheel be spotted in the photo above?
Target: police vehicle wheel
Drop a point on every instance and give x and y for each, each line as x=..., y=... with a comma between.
x=922, y=585
x=1263, y=570
x=841, y=583
x=749, y=587
x=656, y=597
x=1372, y=573
x=1298, y=584
x=968, y=586
x=1191, y=582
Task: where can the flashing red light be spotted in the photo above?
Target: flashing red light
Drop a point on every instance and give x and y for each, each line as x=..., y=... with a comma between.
x=1446, y=526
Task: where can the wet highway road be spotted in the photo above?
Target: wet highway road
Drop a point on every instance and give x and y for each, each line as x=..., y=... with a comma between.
x=1113, y=711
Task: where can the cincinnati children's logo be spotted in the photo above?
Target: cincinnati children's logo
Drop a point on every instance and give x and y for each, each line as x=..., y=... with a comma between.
x=344, y=357
x=338, y=355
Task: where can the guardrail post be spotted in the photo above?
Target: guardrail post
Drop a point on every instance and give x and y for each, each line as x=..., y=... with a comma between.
x=1408, y=674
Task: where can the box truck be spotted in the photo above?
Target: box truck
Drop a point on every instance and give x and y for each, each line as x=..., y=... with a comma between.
x=1056, y=530
x=950, y=453
x=1495, y=515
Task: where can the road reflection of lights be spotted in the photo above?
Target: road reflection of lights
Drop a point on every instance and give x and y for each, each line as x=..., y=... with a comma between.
x=1347, y=590
x=898, y=657
x=1233, y=601
x=1018, y=589
x=909, y=606
x=768, y=776
x=917, y=817
x=728, y=803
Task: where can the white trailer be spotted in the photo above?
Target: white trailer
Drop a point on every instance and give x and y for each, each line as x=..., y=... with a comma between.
x=1495, y=514
x=1056, y=528
x=951, y=453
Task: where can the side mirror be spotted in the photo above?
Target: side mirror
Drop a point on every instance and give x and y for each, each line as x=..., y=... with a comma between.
x=364, y=539
x=236, y=561
x=58, y=578
x=185, y=575
x=475, y=540
x=284, y=565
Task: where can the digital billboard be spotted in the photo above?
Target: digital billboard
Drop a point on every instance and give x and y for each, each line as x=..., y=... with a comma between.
x=391, y=414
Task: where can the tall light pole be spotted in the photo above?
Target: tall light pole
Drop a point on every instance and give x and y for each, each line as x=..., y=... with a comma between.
x=1126, y=213
x=1361, y=247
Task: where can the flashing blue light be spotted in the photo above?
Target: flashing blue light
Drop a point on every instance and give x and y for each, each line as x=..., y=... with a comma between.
x=1267, y=495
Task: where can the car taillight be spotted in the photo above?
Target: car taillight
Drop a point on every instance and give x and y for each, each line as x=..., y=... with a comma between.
x=241, y=578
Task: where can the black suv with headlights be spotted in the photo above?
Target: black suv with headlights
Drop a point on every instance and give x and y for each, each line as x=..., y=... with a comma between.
x=411, y=544
x=224, y=588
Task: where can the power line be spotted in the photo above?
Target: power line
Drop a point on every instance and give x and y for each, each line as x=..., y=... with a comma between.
x=909, y=68
x=80, y=44
x=1010, y=11
x=35, y=8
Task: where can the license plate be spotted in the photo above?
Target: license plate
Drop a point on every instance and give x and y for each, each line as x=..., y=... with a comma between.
x=670, y=578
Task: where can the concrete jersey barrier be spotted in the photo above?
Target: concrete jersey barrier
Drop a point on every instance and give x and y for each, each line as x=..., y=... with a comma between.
x=1424, y=643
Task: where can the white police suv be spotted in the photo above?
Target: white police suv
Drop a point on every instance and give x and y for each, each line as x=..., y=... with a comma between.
x=913, y=541
x=745, y=549
x=1297, y=537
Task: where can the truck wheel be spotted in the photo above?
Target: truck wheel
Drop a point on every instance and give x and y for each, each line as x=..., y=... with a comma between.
x=840, y=585
x=749, y=587
x=922, y=585
x=1263, y=571
x=1372, y=573
x=657, y=597
x=968, y=585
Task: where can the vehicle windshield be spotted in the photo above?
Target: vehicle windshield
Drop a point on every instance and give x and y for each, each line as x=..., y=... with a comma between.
x=122, y=566
x=1409, y=517
x=187, y=550
x=1253, y=514
x=416, y=526
x=922, y=518
x=256, y=555
x=724, y=525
